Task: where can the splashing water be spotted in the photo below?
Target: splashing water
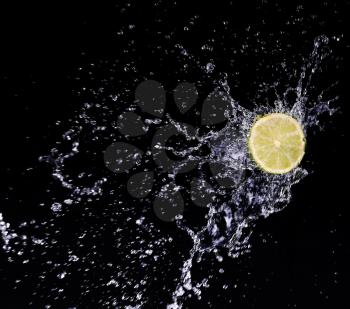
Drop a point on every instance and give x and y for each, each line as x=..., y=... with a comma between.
x=260, y=194
x=230, y=214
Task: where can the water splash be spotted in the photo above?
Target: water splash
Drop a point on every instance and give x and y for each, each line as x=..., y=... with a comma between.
x=137, y=239
x=229, y=224
x=6, y=234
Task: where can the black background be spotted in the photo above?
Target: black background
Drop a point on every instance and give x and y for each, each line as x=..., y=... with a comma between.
x=302, y=261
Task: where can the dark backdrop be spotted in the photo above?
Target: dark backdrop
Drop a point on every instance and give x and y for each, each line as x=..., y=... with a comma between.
x=302, y=261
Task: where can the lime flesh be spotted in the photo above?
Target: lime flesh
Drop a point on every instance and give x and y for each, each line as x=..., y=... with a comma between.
x=277, y=143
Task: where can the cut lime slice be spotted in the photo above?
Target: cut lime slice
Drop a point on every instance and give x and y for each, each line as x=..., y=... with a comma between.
x=277, y=143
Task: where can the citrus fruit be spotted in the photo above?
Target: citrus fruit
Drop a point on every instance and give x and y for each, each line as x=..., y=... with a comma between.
x=276, y=143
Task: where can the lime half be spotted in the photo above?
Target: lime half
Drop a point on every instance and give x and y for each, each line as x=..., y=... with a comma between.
x=277, y=143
